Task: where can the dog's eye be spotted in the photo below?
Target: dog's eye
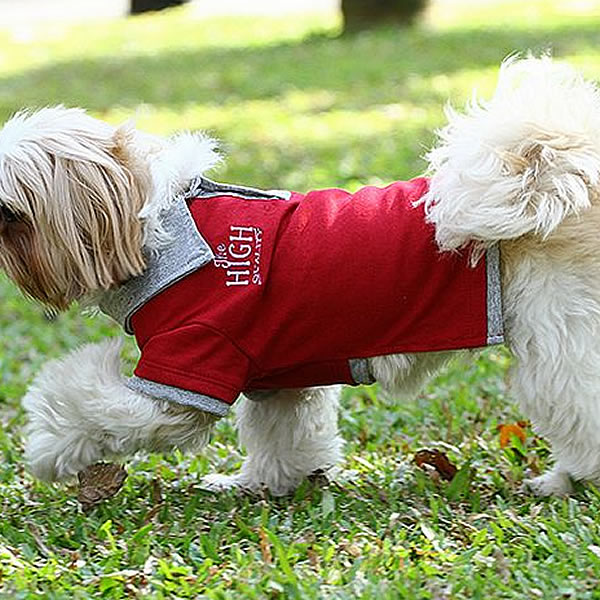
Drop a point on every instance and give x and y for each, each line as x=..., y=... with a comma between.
x=8, y=215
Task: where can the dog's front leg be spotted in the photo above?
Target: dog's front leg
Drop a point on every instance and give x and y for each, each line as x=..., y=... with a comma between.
x=554, y=482
x=288, y=435
x=80, y=411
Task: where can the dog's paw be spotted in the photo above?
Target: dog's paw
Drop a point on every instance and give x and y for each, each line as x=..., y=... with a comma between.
x=552, y=483
x=215, y=482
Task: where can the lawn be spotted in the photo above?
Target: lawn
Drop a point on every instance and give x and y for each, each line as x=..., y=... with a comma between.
x=296, y=105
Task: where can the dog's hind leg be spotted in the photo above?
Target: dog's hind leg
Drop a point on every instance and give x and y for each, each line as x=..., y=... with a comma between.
x=553, y=316
x=557, y=384
x=288, y=435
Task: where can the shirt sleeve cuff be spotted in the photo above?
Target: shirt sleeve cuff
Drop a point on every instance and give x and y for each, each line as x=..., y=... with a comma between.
x=178, y=396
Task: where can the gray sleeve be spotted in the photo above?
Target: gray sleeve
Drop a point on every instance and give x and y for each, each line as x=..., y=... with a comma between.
x=178, y=396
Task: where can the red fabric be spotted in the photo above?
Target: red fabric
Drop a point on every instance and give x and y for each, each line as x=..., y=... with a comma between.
x=319, y=279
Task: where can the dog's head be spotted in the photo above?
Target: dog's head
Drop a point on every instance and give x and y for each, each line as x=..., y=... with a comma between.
x=71, y=189
x=519, y=163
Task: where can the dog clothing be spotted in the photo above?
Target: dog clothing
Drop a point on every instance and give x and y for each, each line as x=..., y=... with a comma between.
x=265, y=290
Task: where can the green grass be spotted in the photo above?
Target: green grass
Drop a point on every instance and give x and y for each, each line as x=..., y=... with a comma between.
x=296, y=106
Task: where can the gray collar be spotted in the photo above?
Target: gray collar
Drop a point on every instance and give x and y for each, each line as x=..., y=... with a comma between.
x=187, y=252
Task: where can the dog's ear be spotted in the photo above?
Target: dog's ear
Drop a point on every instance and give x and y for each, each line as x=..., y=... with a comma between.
x=520, y=163
x=79, y=186
x=94, y=211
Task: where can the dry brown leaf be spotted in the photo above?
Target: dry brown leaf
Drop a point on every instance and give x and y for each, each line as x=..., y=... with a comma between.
x=265, y=546
x=156, y=492
x=99, y=482
x=438, y=460
x=313, y=559
x=510, y=429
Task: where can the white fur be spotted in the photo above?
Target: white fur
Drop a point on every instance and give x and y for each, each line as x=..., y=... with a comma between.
x=80, y=412
x=519, y=163
x=287, y=436
x=54, y=125
x=521, y=170
x=554, y=331
x=173, y=164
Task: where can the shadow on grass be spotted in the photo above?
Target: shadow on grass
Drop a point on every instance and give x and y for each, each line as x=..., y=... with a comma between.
x=363, y=70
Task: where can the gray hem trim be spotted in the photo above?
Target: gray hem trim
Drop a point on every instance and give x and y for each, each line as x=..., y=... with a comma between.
x=178, y=396
x=360, y=371
x=495, y=321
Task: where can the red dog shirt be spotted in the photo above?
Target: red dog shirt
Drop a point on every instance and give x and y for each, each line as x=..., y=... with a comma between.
x=296, y=290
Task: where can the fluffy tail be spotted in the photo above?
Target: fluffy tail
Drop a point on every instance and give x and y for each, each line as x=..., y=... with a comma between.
x=519, y=163
x=80, y=411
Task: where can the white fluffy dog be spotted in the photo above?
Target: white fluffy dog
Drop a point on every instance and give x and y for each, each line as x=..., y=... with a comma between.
x=88, y=210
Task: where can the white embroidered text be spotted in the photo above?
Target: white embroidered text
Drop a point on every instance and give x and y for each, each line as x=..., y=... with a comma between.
x=241, y=256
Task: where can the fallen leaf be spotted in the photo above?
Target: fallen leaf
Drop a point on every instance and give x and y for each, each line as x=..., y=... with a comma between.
x=438, y=460
x=353, y=550
x=156, y=492
x=509, y=430
x=265, y=546
x=313, y=559
x=99, y=482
